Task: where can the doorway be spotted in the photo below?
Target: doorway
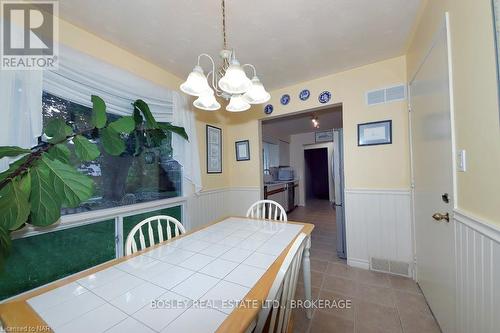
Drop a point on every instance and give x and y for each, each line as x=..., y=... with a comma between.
x=316, y=174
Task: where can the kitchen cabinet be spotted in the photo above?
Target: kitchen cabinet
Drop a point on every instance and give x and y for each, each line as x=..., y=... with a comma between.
x=277, y=193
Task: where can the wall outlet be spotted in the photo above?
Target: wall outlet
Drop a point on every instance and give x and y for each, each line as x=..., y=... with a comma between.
x=461, y=161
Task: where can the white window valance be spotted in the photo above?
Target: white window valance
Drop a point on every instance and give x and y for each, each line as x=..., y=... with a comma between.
x=79, y=76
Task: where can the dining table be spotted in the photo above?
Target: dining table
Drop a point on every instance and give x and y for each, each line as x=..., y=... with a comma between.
x=214, y=278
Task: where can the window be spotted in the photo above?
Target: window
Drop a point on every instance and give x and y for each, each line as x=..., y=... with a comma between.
x=120, y=180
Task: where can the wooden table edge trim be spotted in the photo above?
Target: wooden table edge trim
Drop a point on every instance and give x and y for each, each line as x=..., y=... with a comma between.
x=17, y=312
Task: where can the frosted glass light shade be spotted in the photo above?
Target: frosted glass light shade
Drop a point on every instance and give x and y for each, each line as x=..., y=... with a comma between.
x=196, y=83
x=207, y=101
x=257, y=94
x=235, y=81
x=237, y=104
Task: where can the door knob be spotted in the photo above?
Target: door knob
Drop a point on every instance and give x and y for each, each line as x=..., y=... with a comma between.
x=440, y=217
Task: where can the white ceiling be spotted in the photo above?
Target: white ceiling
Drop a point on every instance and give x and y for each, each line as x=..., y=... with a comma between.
x=289, y=40
x=282, y=128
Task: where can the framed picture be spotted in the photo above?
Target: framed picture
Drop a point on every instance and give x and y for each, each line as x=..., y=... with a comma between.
x=214, y=149
x=324, y=136
x=242, y=150
x=376, y=133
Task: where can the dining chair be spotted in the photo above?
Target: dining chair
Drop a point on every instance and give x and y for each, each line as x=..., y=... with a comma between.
x=173, y=229
x=267, y=209
x=282, y=291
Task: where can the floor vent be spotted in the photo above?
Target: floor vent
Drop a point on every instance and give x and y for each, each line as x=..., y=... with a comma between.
x=386, y=95
x=390, y=266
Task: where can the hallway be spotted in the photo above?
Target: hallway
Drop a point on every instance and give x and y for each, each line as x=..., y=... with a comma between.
x=380, y=302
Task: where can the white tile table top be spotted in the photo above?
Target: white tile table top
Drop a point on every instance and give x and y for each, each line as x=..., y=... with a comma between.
x=188, y=285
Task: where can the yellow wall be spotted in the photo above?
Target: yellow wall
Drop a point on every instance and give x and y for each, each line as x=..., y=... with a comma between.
x=376, y=167
x=477, y=122
x=95, y=46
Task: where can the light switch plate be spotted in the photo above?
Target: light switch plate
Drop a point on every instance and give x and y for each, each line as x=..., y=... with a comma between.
x=461, y=161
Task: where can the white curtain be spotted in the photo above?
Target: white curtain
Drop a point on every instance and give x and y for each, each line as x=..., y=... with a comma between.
x=20, y=109
x=79, y=76
x=186, y=152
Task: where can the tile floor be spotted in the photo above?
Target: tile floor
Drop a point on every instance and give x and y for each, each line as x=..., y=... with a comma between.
x=380, y=302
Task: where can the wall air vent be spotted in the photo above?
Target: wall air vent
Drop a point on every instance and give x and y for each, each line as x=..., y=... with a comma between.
x=390, y=266
x=386, y=95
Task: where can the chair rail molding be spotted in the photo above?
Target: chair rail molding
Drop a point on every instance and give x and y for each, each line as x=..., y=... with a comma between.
x=477, y=246
x=378, y=225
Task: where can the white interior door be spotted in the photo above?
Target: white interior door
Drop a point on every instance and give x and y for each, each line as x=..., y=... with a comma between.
x=432, y=155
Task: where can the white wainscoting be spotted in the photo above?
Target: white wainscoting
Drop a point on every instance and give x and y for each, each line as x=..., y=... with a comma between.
x=208, y=206
x=378, y=225
x=477, y=246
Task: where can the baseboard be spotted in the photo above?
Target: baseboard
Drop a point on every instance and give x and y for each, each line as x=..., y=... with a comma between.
x=359, y=263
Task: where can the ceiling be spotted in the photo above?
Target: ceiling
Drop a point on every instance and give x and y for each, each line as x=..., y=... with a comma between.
x=282, y=128
x=288, y=41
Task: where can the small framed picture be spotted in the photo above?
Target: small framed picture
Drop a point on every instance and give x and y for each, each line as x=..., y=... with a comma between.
x=324, y=136
x=242, y=150
x=375, y=133
x=214, y=149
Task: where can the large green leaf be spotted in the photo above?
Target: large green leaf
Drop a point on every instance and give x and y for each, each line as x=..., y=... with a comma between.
x=12, y=151
x=98, y=118
x=12, y=167
x=14, y=205
x=144, y=108
x=174, y=129
x=59, y=152
x=45, y=204
x=71, y=186
x=112, y=142
x=123, y=125
x=84, y=149
x=5, y=246
x=57, y=130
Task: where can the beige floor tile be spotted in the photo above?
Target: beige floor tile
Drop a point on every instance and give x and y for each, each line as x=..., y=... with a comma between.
x=300, y=321
x=340, y=305
x=337, y=284
x=375, y=316
x=405, y=284
x=373, y=278
x=374, y=294
x=324, y=322
x=418, y=323
x=342, y=270
x=411, y=303
x=319, y=265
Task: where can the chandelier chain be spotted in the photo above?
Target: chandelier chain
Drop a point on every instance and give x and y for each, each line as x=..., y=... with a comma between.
x=224, y=23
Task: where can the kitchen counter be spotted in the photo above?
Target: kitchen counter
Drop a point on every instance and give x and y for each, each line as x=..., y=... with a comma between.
x=282, y=193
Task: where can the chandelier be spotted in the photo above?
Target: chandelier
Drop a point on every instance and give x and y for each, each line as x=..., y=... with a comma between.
x=229, y=81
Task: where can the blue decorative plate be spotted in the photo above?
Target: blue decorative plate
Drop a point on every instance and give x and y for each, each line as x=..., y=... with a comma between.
x=268, y=109
x=325, y=97
x=304, y=94
x=285, y=99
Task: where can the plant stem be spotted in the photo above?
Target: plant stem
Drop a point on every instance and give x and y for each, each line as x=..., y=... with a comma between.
x=37, y=152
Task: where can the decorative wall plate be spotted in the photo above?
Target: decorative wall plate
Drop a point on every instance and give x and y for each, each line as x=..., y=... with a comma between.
x=325, y=97
x=304, y=94
x=285, y=99
x=268, y=109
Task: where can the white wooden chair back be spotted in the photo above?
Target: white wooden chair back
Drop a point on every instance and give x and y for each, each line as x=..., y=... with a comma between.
x=267, y=210
x=177, y=229
x=283, y=290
